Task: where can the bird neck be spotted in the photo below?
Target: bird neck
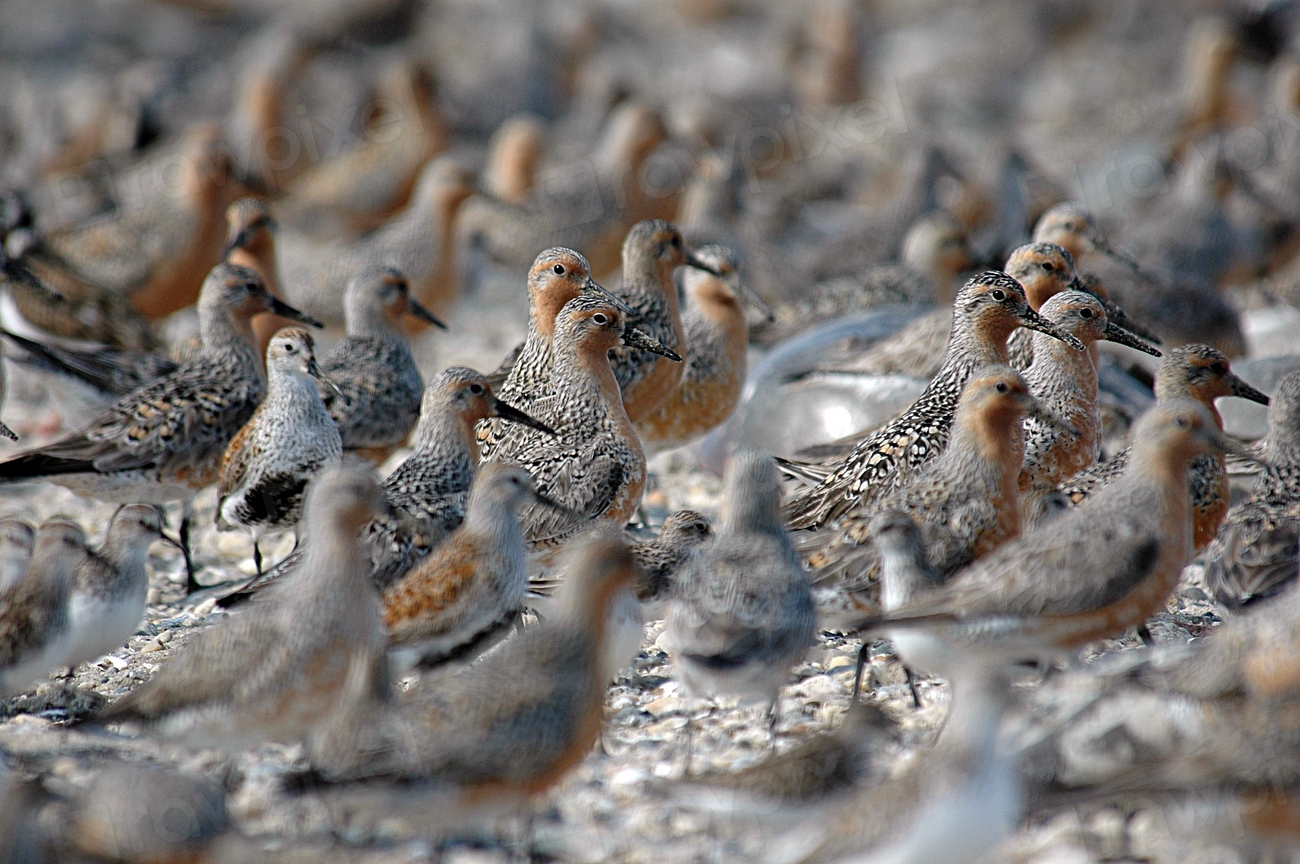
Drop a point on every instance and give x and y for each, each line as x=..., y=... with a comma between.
x=647, y=279
x=970, y=347
x=445, y=435
x=290, y=389
x=258, y=256
x=1174, y=386
x=1059, y=368
x=718, y=304
x=904, y=573
x=226, y=334
x=368, y=321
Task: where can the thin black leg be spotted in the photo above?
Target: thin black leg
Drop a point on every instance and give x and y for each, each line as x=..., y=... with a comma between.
x=257, y=557
x=858, y=671
x=191, y=584
x=911, y=685
x=1144, y=633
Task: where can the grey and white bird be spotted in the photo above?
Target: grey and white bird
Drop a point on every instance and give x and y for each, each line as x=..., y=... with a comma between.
x=277, y=671
x=742, y=613
x=290, y=436
x=34, y=621
x=376, y=398
x=111, y=585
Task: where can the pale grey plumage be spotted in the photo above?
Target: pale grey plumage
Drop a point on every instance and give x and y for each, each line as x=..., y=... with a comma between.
x=277, y=670
x=742, y=613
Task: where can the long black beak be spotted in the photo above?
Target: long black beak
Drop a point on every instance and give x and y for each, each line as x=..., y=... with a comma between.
x=424, y=314
x=506, y=411
x=1033, y=321
x=594, y=287
x=1104, y=247
x=314, y=371
x=1243, y=390
x=634, y=338
x=1120, y=336
x=284, y=310
x=693, y=261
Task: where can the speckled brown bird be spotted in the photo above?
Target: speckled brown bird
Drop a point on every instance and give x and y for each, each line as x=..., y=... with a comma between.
x=988, y=308
x=966, y=501
x=594, y=464
x=16, y=538
x=289, y=438
x=557, y=276
x=1186, y=372
x=489, y=738
x=653, y=250
x=35, y=629
x=716, y=339
x=1065, y=384
x=1087, y=574
x=1255, y=554
x=659, y=559
x=741, y=613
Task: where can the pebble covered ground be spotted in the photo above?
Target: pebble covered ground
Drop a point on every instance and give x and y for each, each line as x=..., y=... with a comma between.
x=625, y=802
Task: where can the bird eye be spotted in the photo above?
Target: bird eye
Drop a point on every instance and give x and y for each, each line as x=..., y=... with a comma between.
x=999, y=295
x=559, y=269
x=1218, y=368
x=600, y=318
x=677, y=240
x=1185, y=422
x=476, y=389
x=1049, y=266
x=290, y=349
x=1002, y=387
x=1085, y=313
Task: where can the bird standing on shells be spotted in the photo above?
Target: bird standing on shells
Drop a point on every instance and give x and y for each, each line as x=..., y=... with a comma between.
x=275, y=672
x=289, y=438
x=34, y=621
x=164, y=442
x=653, y=250
x=1255, y=554
x=987, y=309
x=742, y=613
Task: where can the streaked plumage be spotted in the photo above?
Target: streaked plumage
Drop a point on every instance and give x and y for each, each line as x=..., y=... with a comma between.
x=164, y=441
x=290, y=437
x=34, y=621
x=987, y=309
x=1255, y=553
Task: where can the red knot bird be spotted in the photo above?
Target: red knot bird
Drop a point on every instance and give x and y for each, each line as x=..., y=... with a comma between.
x=1186, y=372
x=34, y=620
x=594, y=464
x=1255, y=553
x=653, y=250
x=987, y=309
x=716, y=354
x=276, y=671
x=741, y=615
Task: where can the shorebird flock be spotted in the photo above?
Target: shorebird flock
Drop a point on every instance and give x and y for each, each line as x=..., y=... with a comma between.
x=1051, y=596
